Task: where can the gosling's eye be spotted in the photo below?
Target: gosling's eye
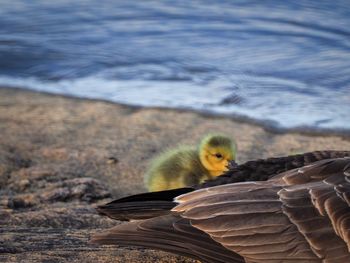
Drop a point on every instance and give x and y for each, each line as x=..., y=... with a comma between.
x=218, y=155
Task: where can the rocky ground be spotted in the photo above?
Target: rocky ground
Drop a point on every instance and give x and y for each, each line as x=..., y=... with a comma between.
x=60, y=157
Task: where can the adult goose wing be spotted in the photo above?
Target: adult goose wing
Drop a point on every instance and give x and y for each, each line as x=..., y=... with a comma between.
x=169, y=233
x=302, y=215
x=148, y=205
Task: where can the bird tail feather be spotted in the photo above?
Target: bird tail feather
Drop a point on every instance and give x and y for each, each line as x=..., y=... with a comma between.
x=142, y=206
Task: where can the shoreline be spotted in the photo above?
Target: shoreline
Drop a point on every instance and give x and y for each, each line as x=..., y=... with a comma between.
x=267, y=125
x=60, y=157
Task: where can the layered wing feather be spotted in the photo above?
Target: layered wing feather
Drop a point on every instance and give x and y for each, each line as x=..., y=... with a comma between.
x=299, y=216
x=169, y=233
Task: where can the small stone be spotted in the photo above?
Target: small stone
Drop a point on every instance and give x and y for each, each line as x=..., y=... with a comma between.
x=84, y=189
x=23, y=184
x=32, y=173
x=112, y=160
x=55, y=153
x=3, y=169
x=40, y=173
x=57, y=195
x=24, y=201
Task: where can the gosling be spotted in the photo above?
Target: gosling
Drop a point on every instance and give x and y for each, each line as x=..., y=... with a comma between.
x=186, y=166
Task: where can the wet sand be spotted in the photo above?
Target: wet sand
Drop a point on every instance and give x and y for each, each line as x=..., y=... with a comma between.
x=60, y=157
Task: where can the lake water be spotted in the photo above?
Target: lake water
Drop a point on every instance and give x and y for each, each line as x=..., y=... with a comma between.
x=285, y=63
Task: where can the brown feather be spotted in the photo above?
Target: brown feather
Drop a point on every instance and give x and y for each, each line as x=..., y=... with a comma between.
x=169, y=233
x=311, y=203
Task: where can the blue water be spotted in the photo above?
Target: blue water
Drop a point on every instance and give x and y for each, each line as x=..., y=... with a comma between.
x=283, y=62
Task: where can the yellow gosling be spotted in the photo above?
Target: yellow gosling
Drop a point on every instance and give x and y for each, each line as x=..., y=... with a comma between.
x=186, y=166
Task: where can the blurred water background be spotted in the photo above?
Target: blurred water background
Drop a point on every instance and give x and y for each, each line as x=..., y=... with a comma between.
x=285, y=63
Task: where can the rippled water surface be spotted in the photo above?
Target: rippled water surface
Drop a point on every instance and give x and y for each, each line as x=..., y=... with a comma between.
x=287, y=62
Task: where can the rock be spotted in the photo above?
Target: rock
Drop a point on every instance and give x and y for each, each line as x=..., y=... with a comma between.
x=31, y=174
x=83, y=189
x=22, y=201
x=23, y=184
x=112, y=160
x=55, y=153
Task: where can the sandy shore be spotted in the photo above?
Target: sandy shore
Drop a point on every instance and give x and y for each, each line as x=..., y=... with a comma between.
x=59, y=157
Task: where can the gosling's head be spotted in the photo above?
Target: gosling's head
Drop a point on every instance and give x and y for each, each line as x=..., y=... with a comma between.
x=215, y=151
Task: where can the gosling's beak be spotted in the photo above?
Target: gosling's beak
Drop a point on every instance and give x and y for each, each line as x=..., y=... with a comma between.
x=226, y=165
